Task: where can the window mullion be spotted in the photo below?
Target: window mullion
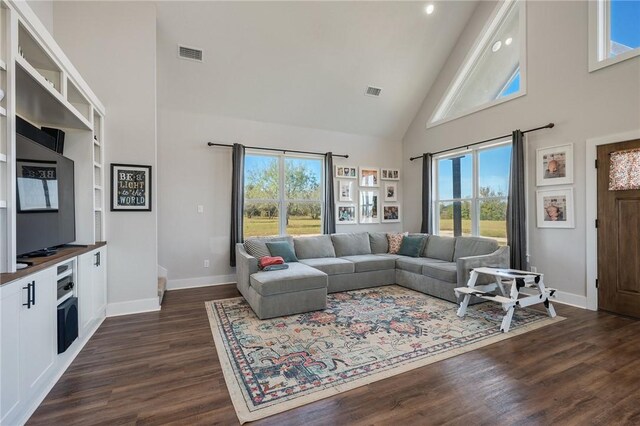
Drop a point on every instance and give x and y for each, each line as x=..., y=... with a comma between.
x=475, y=209
x=282, y=196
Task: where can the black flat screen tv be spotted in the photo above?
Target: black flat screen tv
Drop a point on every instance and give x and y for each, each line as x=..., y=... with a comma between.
x=45, y=214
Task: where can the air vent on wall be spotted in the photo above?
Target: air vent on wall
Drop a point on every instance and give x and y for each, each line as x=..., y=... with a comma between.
x=373, y=91
x=190, y=53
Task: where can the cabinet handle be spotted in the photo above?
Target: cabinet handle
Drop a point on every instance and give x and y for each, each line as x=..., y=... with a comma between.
x=28, y=288
x=97, y=255
x=33, y=293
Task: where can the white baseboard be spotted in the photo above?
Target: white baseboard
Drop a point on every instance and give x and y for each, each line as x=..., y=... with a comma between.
x=570, y=299
x=200, y=282
x=133, y=307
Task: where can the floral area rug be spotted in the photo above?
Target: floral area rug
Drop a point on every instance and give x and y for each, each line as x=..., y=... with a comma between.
x=271, y=366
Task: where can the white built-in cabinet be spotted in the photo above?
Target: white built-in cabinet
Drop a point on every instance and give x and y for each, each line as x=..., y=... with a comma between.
x=43, y=87
x=29, y=359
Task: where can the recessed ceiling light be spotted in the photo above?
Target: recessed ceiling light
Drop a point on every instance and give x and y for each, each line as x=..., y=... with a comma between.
x=496, y=46
x=429, y=9
x=508, y=41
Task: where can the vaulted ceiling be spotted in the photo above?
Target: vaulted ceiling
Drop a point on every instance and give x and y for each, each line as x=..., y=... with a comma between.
x=307, y=63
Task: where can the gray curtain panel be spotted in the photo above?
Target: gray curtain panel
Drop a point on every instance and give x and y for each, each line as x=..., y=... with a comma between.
x=516, y=205
x=427, y=202
x=237, y=200
x=329, y=218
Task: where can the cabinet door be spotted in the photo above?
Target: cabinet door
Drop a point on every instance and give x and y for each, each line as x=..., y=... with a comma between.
x=10, y=306
x=84, y=284
x=99, y=287
x=38, y=330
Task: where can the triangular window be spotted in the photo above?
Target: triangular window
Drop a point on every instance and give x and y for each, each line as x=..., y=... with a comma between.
x=493, y=70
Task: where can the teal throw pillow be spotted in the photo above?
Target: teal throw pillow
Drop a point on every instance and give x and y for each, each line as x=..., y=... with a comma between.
x=282, y=249
x=411, y=245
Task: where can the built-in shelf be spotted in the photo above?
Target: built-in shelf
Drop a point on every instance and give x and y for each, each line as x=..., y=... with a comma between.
x=3, y=204
x=66, y=273
x=67, y=296
x=38, y=101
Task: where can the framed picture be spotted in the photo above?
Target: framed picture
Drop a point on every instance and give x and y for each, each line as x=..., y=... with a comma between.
x=390, y=191
x=391, y=213
x=554, y=165
x=130, y=187
x=555, y=208
x=369, y=177
x=345, y=172
x=346, y=214
x=369, y=206
x=390, y=174
x=345, y=190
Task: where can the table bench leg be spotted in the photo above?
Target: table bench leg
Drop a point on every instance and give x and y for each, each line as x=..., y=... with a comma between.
x=462, y=310
x=506, y=320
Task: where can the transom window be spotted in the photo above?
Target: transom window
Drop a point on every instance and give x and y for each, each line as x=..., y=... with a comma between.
x=493, y=71
x=274, y=184
x=614, y=32
x=471, y=192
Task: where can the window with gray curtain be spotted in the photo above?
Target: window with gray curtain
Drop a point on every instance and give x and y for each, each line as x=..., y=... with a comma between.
x=517, y=207
x=237, y=200
x=471, y=189
x=283, y=194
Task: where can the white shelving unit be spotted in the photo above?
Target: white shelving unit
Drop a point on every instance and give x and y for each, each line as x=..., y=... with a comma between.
x=45, y=89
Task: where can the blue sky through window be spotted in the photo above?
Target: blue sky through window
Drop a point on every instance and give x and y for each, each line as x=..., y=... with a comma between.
x=493, y=171
x=513, y=87
x=625, y=22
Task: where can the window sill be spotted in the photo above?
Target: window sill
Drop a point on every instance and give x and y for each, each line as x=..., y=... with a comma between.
x=595, y=65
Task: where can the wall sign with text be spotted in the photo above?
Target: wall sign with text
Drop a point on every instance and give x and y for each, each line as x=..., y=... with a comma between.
x=130, y=187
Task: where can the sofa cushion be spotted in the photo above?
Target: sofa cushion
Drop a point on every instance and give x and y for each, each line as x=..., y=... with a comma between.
x=331, y=265
x=412, y=245
x=379, y=243
x=371, y=262
x=414, y=264
x=351, y=244
x=257, y=247
x=443, y=271
x=282, y=249
x=298, y=277
x=314, y=247
x=440, y=247
x=473, y=246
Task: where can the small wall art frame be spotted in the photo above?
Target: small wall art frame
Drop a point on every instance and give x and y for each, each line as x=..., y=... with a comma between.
x=346, y=191
x=346, y=214
x=555, y=208
x=369, y=177
x=390, y=174
x=345, y=172
x=391, y=213
x=390, y=191
x=130, y=187
x=554, y=165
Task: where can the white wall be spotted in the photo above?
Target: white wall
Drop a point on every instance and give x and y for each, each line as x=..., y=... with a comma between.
x=192, y=174
x=560, y=89
x=44, y=11
x=113, y=46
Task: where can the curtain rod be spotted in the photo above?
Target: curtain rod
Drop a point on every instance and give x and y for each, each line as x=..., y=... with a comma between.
x=284, y=151
x=548, y=126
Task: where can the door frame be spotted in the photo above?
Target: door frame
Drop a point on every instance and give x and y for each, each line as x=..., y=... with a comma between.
x=592, y=208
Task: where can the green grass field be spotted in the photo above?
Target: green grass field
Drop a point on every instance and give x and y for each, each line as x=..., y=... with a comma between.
x=263, y=226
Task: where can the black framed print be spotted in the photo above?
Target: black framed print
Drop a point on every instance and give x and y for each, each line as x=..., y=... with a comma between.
x=130, y=187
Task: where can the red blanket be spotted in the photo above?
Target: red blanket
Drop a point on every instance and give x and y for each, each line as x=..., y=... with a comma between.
x=270, y=260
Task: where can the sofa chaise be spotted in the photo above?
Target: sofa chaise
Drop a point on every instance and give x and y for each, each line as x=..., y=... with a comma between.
x=342, y=262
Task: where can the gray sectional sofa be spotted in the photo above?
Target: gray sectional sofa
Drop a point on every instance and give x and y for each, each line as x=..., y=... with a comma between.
x=341, y=262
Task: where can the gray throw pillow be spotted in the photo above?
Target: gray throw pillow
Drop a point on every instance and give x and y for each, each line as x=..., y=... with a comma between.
x=282, y=249
x=379, y=242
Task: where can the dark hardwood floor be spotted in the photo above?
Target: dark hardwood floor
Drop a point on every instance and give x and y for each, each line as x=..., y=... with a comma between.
x=162, y=368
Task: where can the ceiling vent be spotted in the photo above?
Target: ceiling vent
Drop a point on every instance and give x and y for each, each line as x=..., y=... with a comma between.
x=190, y=53
x=373, y=91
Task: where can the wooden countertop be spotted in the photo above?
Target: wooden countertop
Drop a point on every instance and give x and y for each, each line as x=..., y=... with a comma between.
x=40, y=263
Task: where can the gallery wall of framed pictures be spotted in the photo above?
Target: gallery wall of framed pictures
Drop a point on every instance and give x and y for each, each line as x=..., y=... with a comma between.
x=554, y=204
x=366, y=195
